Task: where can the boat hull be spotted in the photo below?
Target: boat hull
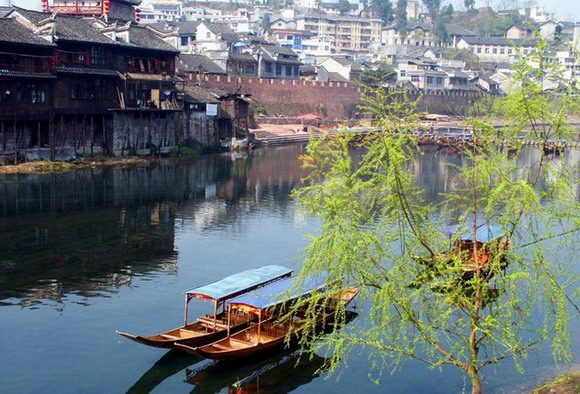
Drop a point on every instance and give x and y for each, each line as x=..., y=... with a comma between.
x=194, y=334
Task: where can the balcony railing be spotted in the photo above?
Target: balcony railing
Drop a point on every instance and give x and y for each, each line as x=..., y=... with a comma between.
x=40, y=66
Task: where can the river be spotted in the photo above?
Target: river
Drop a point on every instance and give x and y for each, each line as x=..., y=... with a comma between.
x=85, y=253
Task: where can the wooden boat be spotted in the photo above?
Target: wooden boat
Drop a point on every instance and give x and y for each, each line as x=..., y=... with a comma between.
x=212, y=327
x=481, y=253
x=268, y=333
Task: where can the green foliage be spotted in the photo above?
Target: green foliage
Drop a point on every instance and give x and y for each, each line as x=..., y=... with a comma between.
x=432, y=7
x=383, y=9
x=379, y=77
x=401, y=17
x=257, y=110
x=469, y=4
x=440, y=31
x=380, y=233
x=343, y=7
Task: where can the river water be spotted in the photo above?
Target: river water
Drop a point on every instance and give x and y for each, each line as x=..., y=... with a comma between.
x=86, y=253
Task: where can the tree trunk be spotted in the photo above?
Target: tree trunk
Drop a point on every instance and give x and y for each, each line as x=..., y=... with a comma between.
x=476, y=387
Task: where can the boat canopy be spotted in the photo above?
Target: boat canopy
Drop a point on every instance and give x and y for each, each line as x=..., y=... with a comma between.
x=239, y=283
x=270, y=295
x=484, y=233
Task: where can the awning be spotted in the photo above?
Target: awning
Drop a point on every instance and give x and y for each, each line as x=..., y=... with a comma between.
x=236, y=284
x=484, y=233
x=273, y=293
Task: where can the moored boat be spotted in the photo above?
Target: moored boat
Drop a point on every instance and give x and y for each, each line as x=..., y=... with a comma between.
x=269, y=332
x=213, y=327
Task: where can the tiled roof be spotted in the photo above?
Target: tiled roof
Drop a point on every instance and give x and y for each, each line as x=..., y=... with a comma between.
x=336, y=77
x=187, y=27
x=498, y=41
x=354, y=65
x=201, y=95
x=197, y=63
x=73, y=28
x=274, y=50
x=19, y=74
x=32, y=16
x=140, y=36
x=13, y=32
x=87, y=71
x=242, y=57
x=224, y=31
x=460, y=31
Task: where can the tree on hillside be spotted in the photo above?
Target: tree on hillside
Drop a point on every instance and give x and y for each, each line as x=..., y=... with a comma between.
x=469, y=4
x=432, y=7
x=382, y=232
x=440, y=31
x=401, y=17
x=383, y=9
x=343, y=7
x=383, y=75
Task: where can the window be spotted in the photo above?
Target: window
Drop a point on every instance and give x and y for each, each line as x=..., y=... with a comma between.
x=478, y=50
x=525, y=51
x=184, y=41
x=74, y=92
x=268, y=67
x=486, y=50
x=429, y=80
x=98, y=55
x=403, y=73
x=495, y=51
x=39, y=96
x=509, y=51
x=502, y=51
x=415, y=78
x=289, y=71
x=278, y=69
x=439, y=80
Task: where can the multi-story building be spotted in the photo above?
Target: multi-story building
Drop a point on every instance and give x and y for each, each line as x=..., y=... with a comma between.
x=304, y=43
x=496, y=49
x=349, y=34
x=421, y=73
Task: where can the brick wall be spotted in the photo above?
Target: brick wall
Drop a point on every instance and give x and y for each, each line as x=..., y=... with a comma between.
x=329, y=99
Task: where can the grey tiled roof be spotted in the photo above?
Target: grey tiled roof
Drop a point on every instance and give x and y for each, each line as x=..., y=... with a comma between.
x=202, y=95
x=87, y=71
x=245, y=57
x=140, y=36
x=13, y=32
x=19, y=74
x=460, y=31
x=73, y=28
x=32, y=16
x=196, y=63
x=354, y=65
x=336, y=77
x=498, y=41
x=224, y=31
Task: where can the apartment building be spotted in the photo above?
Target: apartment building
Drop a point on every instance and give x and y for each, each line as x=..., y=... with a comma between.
x=349, y=34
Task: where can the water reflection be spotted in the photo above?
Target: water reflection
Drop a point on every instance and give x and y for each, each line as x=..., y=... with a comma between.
x=90, y=232
x=168, y=365
x=279, y=373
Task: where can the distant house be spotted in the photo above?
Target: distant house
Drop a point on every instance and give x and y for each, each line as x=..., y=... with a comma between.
x=349, y=69
x=282, y=24
x=519, y=31
x=242, y=64
x=197, y=65
x=327, y=76
x=422, y=73
x=275, y=61
x=496, y=49
x=487, y=84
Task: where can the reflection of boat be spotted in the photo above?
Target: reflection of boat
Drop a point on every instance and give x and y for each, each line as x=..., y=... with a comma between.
x=283, y=371
x=269, y=332
x=210, y=328
x=171, y=363
x=275, y=374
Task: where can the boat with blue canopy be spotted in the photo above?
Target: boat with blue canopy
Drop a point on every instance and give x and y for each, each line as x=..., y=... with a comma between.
x=269, y=332
x=212, y=327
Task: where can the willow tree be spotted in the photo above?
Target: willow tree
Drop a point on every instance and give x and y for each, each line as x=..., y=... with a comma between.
x=381, y=233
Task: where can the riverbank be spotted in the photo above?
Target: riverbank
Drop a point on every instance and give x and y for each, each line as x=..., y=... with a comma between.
x=565, y=384
x=45, y=167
